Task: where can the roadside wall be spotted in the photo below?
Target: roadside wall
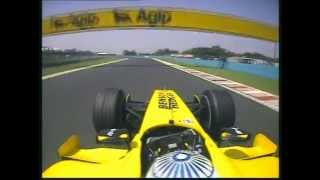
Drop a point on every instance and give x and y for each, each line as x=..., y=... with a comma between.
x=263, y=70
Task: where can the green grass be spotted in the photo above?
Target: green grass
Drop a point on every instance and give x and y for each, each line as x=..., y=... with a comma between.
x=82, y=63
x=265, y=84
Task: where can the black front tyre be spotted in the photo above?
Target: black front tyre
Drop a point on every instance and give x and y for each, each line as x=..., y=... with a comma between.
x=109, y=109
x=218, y=111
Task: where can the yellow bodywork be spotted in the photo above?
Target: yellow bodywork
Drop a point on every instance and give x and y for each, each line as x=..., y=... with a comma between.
x=236, y=161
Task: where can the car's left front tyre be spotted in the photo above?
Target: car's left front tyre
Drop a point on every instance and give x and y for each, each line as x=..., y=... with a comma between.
x=109, y=110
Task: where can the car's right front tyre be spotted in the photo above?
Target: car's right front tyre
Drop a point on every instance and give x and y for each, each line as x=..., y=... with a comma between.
x=218, y=111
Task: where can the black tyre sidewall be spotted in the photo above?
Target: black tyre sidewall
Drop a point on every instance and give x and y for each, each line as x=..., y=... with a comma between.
x=109, y=109
x=222, y=111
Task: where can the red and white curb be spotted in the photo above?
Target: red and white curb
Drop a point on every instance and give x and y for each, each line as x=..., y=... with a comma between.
x=261, y=97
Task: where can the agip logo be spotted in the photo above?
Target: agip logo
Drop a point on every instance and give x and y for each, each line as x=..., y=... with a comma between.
x=150, y=17
x=81, y=21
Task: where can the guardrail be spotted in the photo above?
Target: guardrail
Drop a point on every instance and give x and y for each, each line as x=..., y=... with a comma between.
x=267, y=71
x=54, y=60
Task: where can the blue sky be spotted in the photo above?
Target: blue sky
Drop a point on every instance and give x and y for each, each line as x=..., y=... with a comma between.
x=116, y=41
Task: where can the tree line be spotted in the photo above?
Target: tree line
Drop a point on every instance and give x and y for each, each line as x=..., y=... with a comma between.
x=70, y=52
x=205, y=53
x=159, y=52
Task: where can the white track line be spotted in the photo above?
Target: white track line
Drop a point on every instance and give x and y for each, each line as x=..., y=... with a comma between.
x=79, y=69
x=272, y=104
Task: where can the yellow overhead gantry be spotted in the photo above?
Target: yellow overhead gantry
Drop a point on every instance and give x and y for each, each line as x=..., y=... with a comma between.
x=157, y=18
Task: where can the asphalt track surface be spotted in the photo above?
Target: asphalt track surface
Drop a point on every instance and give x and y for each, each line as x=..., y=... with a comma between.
x=67, y=100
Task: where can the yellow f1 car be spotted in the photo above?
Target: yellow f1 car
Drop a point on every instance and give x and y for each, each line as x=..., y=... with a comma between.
x=166, y=137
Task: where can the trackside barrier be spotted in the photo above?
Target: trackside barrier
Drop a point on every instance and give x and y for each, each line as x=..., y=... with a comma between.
x=262, y=70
